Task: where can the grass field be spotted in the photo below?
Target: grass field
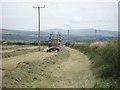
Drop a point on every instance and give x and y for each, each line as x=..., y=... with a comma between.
x=67, y=69
x=15, y=50
x=92, y=65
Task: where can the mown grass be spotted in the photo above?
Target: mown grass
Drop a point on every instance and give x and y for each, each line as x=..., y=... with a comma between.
x=16, y=50
x=10, y=47
x=25, y=73
x=105, y=62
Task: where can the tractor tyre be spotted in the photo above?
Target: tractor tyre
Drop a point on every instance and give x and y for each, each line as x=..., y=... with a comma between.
x=57, y=50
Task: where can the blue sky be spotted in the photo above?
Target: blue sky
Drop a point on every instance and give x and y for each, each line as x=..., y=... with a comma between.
x=60, y=14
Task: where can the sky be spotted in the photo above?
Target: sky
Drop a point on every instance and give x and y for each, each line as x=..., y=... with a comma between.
x=64, y=14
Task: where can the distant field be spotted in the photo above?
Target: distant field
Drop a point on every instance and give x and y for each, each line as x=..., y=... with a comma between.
x=15, y=50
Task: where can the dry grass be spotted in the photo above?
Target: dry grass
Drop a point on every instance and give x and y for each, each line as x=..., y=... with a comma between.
x=16, y=50
x=98, y=44
x=74, y=72
x=10, y=63
x=30, y=68
x=67, y=69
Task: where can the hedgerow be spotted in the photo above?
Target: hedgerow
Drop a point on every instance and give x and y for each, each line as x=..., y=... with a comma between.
x=105, y=64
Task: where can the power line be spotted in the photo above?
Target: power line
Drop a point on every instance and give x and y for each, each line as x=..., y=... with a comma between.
x=39, y=23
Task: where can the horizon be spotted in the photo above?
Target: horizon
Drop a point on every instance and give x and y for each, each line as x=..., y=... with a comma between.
x=60, y=29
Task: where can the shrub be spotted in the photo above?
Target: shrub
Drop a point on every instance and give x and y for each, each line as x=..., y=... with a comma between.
x=104, y=57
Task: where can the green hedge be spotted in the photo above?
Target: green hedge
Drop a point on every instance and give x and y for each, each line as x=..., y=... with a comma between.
x=104, y=60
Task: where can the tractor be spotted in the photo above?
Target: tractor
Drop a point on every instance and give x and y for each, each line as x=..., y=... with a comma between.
x=54, y=42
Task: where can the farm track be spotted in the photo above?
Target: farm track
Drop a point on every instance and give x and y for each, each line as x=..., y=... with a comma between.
x=67, y=69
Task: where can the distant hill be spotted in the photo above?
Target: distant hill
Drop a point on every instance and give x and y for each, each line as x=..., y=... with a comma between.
x=21, y=34
x=91, y=32
x=84, y=32
x=75, y=34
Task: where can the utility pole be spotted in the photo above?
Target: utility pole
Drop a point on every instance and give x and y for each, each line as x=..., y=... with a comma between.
x=39, y=24
x=68, y=36
x=95, y=35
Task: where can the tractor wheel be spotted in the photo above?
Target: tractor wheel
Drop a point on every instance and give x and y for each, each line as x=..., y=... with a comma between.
x=49, y=50
x=57, y=50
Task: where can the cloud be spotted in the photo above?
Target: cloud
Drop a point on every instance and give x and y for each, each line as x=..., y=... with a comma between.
x=76, y=19
x=102, y=15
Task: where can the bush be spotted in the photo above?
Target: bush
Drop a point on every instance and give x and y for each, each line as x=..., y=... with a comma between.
x=104, y=59
x=105, y=71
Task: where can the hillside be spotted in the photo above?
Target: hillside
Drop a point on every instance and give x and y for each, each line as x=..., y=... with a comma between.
x=75, y=34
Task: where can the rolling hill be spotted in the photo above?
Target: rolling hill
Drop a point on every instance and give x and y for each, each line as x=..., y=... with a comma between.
x=75, y=34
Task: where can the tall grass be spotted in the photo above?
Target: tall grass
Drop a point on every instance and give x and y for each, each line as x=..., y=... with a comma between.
x=104, y=57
